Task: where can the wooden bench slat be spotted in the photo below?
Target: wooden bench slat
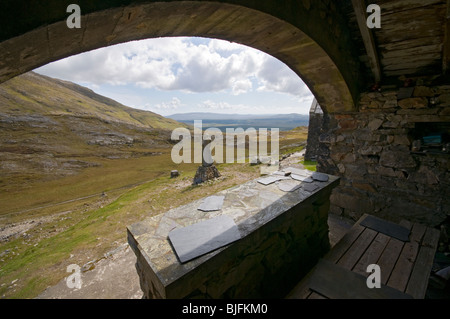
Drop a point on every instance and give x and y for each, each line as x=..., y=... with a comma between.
x=403, y=268
x=333, y=281
x=372, y=254
x=346, y=241
x=418, y=282
x=357, y=249
x=301, y=290
x=418, y=232
x=389, y=256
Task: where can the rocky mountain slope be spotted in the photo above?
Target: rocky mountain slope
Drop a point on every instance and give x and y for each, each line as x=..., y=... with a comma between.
x=32, y=93
x=51, y=128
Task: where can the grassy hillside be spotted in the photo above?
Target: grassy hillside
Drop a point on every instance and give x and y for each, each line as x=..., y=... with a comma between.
x=32, y=93
x=59, y=140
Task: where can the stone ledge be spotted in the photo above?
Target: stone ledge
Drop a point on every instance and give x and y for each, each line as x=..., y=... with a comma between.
x=283, y=235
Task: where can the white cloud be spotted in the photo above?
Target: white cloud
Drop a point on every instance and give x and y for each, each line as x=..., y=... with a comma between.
x=224, y=46
x=241, y=86
x=274, y=76
x=173, y=104
x=180, y=64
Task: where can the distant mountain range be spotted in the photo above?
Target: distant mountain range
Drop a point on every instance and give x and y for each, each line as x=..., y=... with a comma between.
x=284, y=122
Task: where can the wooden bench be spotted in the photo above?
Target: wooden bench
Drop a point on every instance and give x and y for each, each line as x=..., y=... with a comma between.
x=404, y=252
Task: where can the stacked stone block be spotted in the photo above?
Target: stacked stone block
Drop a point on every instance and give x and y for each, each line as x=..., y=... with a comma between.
x=371, y=150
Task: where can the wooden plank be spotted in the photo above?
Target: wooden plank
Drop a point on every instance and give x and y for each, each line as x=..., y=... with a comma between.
x=357, y=249
x=368, y=39
x=372, y=254
x=343, y=245
x=431, y=50
x=301, y=290
x=410, y=43
x=336, y=282
x=429, y=70
x=411, y=62
x=410, y=24
x=389, y=257
x=418, y=282
x=401, y=5
x=418, y=232
x=403, y=268
x=386, y=227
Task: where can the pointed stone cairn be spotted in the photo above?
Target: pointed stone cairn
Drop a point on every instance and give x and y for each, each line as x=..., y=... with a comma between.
x=207, y=170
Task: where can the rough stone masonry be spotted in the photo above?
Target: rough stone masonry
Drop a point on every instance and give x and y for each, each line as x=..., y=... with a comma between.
x=283, y=230
x=372, y=151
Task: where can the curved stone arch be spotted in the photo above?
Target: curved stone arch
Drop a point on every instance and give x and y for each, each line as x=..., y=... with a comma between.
x=334, y=87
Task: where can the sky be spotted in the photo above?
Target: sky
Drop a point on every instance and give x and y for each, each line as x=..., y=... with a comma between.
x=187, y=74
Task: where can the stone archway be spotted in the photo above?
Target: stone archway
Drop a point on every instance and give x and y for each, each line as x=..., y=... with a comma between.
x=289, y=32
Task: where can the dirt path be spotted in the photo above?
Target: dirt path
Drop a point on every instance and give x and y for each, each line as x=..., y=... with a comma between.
x=112, y=277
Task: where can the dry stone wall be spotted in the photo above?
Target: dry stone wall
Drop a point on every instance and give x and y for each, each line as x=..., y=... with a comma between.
x=372, y=151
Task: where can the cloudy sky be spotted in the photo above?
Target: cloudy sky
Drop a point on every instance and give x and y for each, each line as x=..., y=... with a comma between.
x=180, y=75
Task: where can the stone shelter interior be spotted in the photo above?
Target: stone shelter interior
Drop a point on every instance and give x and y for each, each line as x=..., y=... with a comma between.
x=383, y=93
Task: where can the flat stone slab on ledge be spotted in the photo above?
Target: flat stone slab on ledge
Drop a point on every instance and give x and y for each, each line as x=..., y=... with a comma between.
x=250, y=205
x=212, y=203
x=201, y=238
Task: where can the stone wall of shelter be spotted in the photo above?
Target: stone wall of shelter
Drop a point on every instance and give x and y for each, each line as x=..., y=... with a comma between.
x=392, y=155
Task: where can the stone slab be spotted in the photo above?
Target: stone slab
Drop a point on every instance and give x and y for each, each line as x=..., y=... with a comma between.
x=310, y=187
x=302, y=178
x=203, y=237
x=289, y=186
x=272, y=179
x=211, y=203
x=319, y=177
x=268, y=180
x=281, y=173
x=386, y=227
x=298, y=171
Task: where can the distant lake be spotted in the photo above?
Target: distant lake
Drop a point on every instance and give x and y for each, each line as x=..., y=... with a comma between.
x=284, y=122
